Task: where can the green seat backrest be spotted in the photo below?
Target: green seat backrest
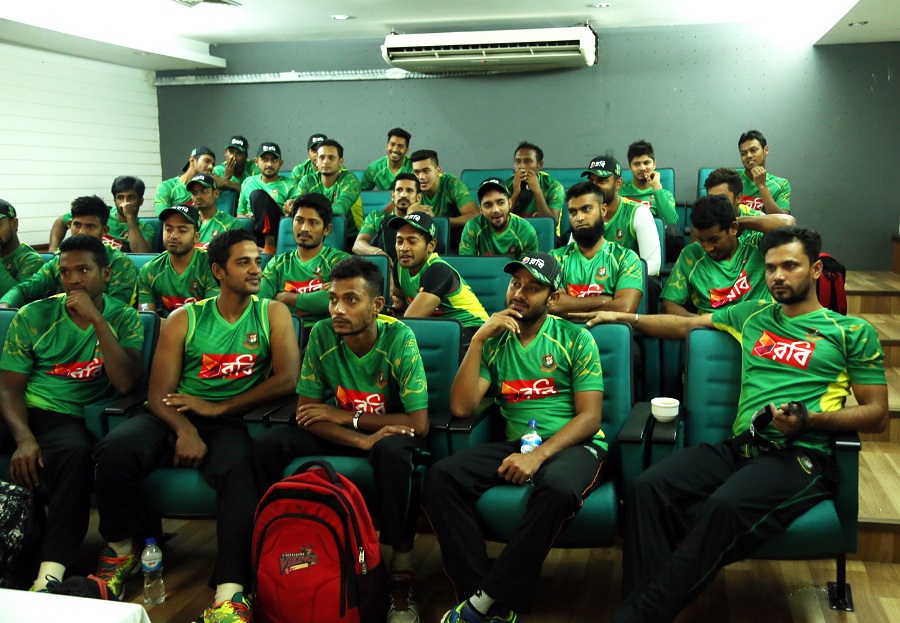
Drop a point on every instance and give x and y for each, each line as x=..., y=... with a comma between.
x=286, y=242
x=485, y=276
x=227, y=201
x=702, y=174
x=150, y=322
x=567, y=177
x=46, y=256
x=614, y=343
x=156, y=243
x=140, y=259
x=358, y=173
x=373, y=200
x=472, y=178
x=442, y=233
x=666, y=178
x=247, y=224
x=546, y=232
x=712, y=385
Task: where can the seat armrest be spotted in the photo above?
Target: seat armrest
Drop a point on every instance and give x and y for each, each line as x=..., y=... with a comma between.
x=264, y=412
x=847, y=442
x=467, y=424
x=636, y=424
x=283, y=414
x=665, y=432
x=125, y=405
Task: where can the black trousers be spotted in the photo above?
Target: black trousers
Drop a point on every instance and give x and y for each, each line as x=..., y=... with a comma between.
x=266, y=214
x=394, y=460
x=702, y=508
x=144, y=443
x=454, y=484
x=68, y=473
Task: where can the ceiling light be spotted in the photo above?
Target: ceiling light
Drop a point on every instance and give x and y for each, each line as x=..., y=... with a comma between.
x=851, y=24
x=340, y=18
x=600, y=5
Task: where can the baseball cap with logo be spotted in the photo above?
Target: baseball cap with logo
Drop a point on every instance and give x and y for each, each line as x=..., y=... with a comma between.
x=419, y=220
x=207, y=181
x=239, y=142
x=603, y=166
x=203, y=150
x=315, y=139
x=269, y=148
x=191, y=213
x=542, y=266
x=492, y=183
x=7, y=210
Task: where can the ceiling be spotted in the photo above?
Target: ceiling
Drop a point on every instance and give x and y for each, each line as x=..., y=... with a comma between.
x=164, y=34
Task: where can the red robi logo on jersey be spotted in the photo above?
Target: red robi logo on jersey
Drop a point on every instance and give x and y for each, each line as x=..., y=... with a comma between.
x=80, y=370
x=795, y=353
x=352, y=400
x=517, y=391
x=755, y=203
x=723, y=296
x=112, y=242
x=313, y=285
x=581, y=291
x=226, y=366
x=174, y=302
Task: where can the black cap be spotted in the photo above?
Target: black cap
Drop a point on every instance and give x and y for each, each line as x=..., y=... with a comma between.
x=315, y=139
x=203, y=150
x=419, y=220
x=191, y=213
x=543, y=266
x=205, y=180
x=269, y=148
x=239, y=142
x=492, y=183
x=7, y=210
x=603, y=166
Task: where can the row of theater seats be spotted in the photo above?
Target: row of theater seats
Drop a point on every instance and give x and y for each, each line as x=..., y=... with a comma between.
x=636, y=440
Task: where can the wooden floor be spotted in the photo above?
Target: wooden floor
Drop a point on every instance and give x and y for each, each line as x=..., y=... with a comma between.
x=576, y=586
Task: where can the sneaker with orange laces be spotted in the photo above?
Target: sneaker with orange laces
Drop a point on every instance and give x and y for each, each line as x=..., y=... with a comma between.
x=115, y=570
x=234, y=610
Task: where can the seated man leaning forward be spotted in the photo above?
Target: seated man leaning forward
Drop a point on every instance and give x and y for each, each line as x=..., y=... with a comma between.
x=370, y=365
x=216, y=359
x=514, y=351
x=704, y=507
x=62, y=353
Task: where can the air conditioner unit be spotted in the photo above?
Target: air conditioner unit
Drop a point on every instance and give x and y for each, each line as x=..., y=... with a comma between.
x=492, y=50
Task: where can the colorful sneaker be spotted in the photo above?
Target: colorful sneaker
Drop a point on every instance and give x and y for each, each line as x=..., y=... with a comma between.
x=115, y=570
x=234, y=610
x=463, y=613
x=403, y=608
x=500, y=614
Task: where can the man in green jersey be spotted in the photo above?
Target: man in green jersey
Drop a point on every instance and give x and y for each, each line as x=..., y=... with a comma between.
x=264, y=197
x=370, y=365
x=308, y=166
x=181, y=274
x=703, y=507
x=338, y=184
x=596, y=273
x=213, y=221
x=426, y=285
x=89, y=216
x=60, y=354
x=445, y=194
x=496, y=231
x=300, y=278
x=762, y=191
x=375, y=237
x=533, y=192
x=126, y=232
x=18, y=261
x=216, y=359
x=237, y=166
x=381, y=173
x=174, y=191
x=646, y=188
x=725, y=266
x=539, y=367
x=628, y=223
x=727, y=182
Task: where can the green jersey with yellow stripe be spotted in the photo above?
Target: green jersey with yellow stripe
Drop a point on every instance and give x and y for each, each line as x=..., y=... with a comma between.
x=344, y=196
x=480, y=238
x=612, y=268
x=288, y=273
x=437, y=277
x=160, y=285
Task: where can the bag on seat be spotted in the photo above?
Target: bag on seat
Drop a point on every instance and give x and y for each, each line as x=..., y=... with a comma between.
x=316, y=557
x=830, y=285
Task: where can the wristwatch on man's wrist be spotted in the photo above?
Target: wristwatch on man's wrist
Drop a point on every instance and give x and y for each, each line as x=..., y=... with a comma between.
x=356, y=419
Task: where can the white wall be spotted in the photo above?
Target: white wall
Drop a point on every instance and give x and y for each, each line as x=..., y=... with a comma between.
x=68, y=127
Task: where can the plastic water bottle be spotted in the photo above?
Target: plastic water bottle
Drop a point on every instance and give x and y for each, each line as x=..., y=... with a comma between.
x=152, y=564
x=531, y=439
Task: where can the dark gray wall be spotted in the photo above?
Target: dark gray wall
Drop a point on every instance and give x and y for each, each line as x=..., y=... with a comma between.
x=830, y=115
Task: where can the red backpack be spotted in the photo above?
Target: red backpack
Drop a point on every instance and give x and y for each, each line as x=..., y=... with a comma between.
x=830, y=285
x=316, y=557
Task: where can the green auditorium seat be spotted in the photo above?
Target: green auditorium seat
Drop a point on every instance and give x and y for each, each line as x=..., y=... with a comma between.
x=472, y=178
x=485, y=276
x=374, y=200
x=227, y=201
x=545, y=228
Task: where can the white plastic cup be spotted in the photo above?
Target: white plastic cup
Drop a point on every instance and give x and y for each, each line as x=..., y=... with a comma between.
x=664, y=409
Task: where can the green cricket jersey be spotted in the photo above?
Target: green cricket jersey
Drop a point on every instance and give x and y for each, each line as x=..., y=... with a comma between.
x=287, y=273
x=18, y=266
x=553, y=191
x=480, y=238
x=778, y=186
x=379, y=175
x=620, y=228
x=538, y=382
x=661, y=202
x=250, y=169
x=438, y=277
x=117, y=236
x=171, y=192
x=343, y=195
x=390, y=378
x=711, y=284
x=220, y=222
x=302, y=170
x=813, y=359
x=451, y=195
x=64, y=363
x=612, y=268
x=280, y=190
x=160, y=285
x=122, y=282
x=222, y=360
